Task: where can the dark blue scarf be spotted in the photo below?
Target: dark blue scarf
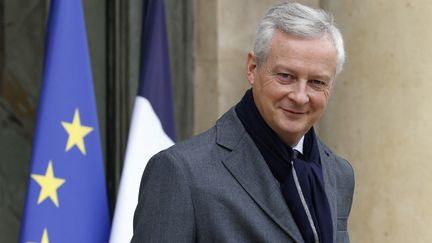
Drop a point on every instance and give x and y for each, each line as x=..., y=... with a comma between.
x=308, y=169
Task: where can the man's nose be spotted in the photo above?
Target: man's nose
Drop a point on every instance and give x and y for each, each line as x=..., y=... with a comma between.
x=298, y=93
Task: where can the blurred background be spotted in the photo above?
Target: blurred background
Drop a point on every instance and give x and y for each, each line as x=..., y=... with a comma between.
x=379, y=116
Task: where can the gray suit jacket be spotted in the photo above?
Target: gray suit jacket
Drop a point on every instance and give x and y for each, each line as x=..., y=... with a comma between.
x=216, y=187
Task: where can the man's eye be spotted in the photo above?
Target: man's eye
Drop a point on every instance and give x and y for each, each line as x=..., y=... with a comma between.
x=318, y=84
x=286, y=77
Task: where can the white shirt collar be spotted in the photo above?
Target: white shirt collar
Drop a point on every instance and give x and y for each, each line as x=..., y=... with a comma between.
x=299, y=145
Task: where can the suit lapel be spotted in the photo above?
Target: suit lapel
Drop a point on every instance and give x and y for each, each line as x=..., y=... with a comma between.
x=247, y=166
x=327, y=163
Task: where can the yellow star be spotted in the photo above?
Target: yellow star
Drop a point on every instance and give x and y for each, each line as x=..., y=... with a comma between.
x=76, y=132
x=49, y=185
x=45, y=236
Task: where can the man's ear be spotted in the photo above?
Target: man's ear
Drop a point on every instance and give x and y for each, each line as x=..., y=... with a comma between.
x=251, y=67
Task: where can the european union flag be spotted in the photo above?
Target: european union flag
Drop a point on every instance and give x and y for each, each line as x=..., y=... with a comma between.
x=67, y=198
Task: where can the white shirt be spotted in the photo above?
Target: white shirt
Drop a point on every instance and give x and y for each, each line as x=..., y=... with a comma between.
x=299, y=145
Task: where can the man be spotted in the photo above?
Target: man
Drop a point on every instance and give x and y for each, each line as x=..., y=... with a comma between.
x=260, y=174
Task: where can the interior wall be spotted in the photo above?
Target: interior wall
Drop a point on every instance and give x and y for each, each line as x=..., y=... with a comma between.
x=379, y=117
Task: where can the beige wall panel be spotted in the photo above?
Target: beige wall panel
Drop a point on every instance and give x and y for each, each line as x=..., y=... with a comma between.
x=380, y=117
x=205, y=102
x=206, y=65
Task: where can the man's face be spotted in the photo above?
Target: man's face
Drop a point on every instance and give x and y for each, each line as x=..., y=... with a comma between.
x=292, y=86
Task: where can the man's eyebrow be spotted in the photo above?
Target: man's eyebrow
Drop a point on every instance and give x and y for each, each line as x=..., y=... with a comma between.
x=321, y=77
x=279, y=67
x=284, y=68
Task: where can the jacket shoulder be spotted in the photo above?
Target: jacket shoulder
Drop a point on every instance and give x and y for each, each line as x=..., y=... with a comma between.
x=213, y=143
x=343, y=166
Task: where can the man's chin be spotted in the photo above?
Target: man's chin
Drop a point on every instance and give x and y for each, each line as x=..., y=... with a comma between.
x=293, y=131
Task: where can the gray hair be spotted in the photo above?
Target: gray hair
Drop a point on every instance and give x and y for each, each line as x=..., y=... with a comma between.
x=298, y=20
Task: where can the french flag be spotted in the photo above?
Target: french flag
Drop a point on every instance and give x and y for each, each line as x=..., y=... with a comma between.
x=152, y=126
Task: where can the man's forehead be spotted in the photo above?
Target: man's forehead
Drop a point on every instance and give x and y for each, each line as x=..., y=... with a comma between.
x=289, y=51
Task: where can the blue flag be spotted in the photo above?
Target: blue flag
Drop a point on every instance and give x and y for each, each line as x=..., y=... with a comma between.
x=152, y=126
x=66, y=198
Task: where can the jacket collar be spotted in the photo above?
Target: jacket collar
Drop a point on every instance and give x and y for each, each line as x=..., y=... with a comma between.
x=247, y=165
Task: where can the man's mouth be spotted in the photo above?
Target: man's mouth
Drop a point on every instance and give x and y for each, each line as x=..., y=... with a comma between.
x=293, y=111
